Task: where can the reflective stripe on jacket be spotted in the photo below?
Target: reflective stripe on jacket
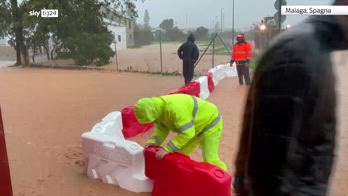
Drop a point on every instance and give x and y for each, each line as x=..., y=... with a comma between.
x=241, y=51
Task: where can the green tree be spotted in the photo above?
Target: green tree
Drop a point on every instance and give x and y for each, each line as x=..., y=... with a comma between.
x=120, y=8
x=167, y=24
x=202, y=33
x=5, y=18
x=175, y=34
x=92, y=51
x=77, y=21
x=83, y=32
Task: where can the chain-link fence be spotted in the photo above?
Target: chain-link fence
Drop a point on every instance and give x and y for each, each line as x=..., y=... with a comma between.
x=148, y=58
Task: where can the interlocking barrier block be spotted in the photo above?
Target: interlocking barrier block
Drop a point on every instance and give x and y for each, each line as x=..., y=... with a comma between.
x=231, y=71
x=111, y=125
x=217, y=74
x=112, y=158
x=131, y=126
x=176, y=174
x=116, y=162
x=191, y=89
x=203, y=84
x=222, y=71
x=211, y=85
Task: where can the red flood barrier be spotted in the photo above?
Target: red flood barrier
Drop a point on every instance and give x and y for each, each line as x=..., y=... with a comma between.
x=191, y=89
x=5, y=178
x=131, y=126
x=210, y=81
x=176, y=174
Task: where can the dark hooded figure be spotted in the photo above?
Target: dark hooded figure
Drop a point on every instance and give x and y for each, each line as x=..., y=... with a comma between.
x=189, y=54
x=288, y=134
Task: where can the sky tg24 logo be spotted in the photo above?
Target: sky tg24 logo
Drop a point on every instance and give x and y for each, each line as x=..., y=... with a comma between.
x=51, y=13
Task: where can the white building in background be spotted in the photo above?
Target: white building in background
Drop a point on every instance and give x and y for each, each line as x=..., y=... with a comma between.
x=122, y=27
x=120, y=34
x=3, y=42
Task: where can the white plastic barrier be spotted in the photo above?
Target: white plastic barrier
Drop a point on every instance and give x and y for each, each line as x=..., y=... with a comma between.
x=231, y=71
x=114, y=159
x=218, y=74
x=112, y=173
x=111, y=125
x=203, y=85
x=221, y=71
x=113, y=116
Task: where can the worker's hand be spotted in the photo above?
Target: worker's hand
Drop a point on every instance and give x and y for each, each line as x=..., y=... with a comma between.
x=147, y=145
x=160, y=154
x=231, y=63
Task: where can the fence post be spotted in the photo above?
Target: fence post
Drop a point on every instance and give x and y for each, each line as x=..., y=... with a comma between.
x=206, y=49
x=116, y=58
x=213, y=54
x=5, y=178
x=160, y=36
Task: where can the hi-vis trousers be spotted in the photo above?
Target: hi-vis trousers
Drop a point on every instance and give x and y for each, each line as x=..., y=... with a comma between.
x=209, y=142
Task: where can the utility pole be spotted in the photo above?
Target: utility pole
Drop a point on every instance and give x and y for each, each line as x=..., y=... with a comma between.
x=160, y=37
x=216, y=24
x=233, y=22
x=187, y=26
x=213, y=52
x=280, y=16
x=222, y=9
x=116, y=59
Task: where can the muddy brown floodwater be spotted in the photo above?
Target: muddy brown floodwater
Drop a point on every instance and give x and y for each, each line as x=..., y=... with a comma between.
x=45, y=111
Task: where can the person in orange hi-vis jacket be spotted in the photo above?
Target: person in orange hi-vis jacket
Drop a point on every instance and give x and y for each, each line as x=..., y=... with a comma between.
x=242, y=53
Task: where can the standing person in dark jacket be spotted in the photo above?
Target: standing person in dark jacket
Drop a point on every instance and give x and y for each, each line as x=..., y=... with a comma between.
x=288, y=134
x=189, y=54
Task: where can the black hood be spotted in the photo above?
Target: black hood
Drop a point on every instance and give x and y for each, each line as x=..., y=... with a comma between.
x=191, y=38
x=329, y=31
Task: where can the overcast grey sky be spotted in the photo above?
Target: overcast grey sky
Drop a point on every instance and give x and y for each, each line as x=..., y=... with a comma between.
x=195, y=13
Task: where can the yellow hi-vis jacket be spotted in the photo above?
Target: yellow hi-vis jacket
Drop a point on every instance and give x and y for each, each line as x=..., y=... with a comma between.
x=186, y=115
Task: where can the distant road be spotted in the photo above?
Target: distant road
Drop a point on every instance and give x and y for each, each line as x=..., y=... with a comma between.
x=6, y=63
x=7, y=56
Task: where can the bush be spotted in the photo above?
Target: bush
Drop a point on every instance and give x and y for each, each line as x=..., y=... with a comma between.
x=202, y=33
x=92, y=48
x=176, y=34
